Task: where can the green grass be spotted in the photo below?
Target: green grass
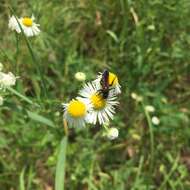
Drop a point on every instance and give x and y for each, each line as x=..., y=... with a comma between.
x=146, y=43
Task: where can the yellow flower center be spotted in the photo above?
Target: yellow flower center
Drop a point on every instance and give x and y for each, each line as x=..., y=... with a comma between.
x=27, y=21
x=97, y=101
x=113, y=80
x=76, y=108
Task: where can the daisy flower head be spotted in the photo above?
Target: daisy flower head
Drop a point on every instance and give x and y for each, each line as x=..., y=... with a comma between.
x=29, y=27
x=7, y=79
x=76, y=112
x=102, y=109
x=112, y=81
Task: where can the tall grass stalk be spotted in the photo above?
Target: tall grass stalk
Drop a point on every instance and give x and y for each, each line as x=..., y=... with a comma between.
x=151, y=137
x=22, y=96
x=135, y=186
x=168, y=176
x=17, y=53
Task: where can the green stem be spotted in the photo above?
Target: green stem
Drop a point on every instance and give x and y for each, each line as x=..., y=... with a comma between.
x=105, y=127
x=151, y=137
x=36, y=64
x=16, y=54
x=138, y=173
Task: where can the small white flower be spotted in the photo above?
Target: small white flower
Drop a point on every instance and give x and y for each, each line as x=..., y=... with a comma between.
x=136, y=97
x=80, y=76
x=112, y=80
x=76, y=112
x=112, y=133
x=1, y=66
x=150, y=108
x=7, y=79
x=155, y=120
x=1, y=100
x=102, y=109
x=30, y=28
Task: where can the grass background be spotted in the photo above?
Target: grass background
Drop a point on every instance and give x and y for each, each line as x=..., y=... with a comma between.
x=147, y=44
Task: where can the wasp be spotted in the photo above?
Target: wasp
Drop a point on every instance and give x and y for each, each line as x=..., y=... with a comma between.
x=105, y=86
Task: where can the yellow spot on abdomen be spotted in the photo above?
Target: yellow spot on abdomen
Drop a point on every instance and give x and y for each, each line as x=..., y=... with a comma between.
x=113, y=80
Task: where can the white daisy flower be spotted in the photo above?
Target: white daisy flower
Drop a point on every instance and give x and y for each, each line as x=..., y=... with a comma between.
x=155, y=120
x=102, y=109
x=30, y=28
x=112, y=133
x=113, y=82
x=76, y=112
x=7, y=79
x=80, y=76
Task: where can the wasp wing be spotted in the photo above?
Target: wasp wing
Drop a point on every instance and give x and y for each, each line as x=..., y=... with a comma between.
x=105, y=80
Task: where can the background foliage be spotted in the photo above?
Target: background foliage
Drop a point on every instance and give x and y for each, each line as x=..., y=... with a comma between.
x=147, y=44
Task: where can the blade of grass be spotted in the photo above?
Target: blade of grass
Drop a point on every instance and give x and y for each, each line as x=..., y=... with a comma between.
x=30, y=178
x=151, y=137
x=21, y=180
x=60, y=168
x=168, y=176
x=135, y=186
x=41, y=119
x=22, y=96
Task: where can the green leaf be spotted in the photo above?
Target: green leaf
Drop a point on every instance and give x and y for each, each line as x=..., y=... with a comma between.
x=39, y=118
x=113, y=35
x=60, y=168
x=21, y=180
x=21, y=96
x=3, y=141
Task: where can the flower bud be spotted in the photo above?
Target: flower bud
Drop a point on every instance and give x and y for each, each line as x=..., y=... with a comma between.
x=112, y=133
x=149, y=108
x=80, y=76
x=155, y=120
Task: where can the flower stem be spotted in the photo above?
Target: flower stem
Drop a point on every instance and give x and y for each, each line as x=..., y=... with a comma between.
x=17, y=52
x=105, y=127
x=65, y=127
x=151, y=137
